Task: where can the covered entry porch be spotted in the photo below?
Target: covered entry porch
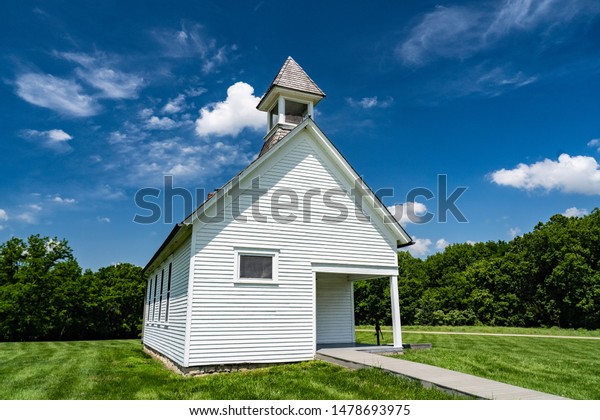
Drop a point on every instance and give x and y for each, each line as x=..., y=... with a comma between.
x=333, y=302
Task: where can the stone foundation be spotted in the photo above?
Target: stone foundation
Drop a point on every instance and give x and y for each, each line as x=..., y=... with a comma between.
x=206, y=369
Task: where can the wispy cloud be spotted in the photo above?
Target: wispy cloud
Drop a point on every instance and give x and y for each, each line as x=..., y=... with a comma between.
x=107, y=192
x=594, y=143
x=484, y=79
x=231, y=116
x=100, y=72
x=458, y=32
x=195, y=91
x=103, y=219
x=29, y=213
x=56, y=140
x=95, y=77
x=191, y=41
x=175, y=105
x=370, y=102
x=147, y=159
x=61, y=95
x=568, y=174
x=514, y=232
x=447, y=32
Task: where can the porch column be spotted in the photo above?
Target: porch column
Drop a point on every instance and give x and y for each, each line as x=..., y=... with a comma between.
x=396, y=328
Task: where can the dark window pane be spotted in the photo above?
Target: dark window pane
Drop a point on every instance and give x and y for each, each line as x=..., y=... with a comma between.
x=256, y=267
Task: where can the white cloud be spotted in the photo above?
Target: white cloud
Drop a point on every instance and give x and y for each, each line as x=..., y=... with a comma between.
x=99, y=71
x=103, y=219
x=158, y=123
x=494, y=80
x=420, y=248
x=450, y=32
x=471, y=242
x=145, y=113
x=513, y=232
x=569, y=174
x=441, y=244
x=488, y=78
x=58, y=135
x=52, y=139
x=411, y=212
x=3, y=215
x=149, y=160
x=370, y=102
x=29, y=214
x=575, y=212
x=594, y=143
x=112, y=83
x=230, y=117
x=458, y=32
x=175, y=105
x=60, y=200
x=60, y=95
x=195, y=91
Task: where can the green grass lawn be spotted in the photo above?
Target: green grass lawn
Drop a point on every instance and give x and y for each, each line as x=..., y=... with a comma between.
x=494, y=330
x=119, y=369
x=567, y=367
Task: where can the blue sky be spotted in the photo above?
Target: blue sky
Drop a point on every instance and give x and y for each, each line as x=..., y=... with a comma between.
x=100, y=99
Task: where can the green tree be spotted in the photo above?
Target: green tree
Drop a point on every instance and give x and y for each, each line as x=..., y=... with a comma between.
x=31, y=273
x=118, y=307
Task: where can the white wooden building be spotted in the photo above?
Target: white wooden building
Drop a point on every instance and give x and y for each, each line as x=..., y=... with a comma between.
x=266, y=276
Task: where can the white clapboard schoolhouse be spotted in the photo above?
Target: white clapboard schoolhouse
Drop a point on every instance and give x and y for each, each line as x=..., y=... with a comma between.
x=262, y=271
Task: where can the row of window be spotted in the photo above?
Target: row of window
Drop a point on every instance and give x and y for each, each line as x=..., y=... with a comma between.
x=159, y=289
x=251, y=265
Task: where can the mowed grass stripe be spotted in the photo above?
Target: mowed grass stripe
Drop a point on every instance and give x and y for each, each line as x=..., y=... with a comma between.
x=119, y=369
x=570, y=368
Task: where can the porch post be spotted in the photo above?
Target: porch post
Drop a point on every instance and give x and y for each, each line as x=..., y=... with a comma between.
x=396, y=328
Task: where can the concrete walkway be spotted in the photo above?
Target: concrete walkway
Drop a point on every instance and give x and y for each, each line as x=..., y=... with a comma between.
x=445, y=379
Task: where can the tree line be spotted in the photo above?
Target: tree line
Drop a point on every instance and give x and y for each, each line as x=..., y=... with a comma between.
x=45, y=295
x=548, y=277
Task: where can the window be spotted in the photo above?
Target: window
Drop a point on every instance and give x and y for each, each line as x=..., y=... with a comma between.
x=273, y=117
x=159, y=294
x=168, y=292
x=160, y=299
x=256, y=265
x=148, y=315
x=154, y=303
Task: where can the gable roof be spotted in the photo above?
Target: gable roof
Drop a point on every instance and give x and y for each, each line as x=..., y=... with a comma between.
x=402, y=237
x=292, y=76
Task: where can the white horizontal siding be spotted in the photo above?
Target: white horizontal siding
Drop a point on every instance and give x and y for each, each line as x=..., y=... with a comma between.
x=334, y=309
x=169, y=337
x=252, y=323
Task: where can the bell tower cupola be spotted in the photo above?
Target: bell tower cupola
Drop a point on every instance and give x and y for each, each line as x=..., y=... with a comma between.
x=289, y=100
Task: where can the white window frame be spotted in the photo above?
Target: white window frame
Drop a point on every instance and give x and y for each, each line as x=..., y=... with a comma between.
x=258, y=252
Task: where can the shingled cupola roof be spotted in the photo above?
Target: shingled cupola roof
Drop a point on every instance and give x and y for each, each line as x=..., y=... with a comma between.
x=289, y=100
x=292, y=77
